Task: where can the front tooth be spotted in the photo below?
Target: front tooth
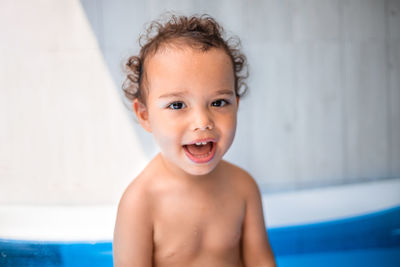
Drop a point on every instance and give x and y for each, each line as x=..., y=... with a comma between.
x=199, y=143
x=204, y=143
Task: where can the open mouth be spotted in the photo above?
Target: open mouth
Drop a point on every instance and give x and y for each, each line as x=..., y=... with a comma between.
x=200, y=152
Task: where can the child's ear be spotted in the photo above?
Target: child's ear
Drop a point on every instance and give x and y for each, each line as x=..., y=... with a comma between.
x=237, y=100
x=142, y=114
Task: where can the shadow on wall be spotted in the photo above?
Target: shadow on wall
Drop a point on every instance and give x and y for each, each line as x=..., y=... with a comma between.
x=117, y=25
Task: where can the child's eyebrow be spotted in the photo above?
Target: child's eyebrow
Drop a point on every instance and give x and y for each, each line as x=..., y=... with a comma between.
x=225, y=92
x=175, y=94
x=181, y=94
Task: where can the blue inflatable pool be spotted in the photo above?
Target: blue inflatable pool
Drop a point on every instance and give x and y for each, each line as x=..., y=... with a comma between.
x=370, y=239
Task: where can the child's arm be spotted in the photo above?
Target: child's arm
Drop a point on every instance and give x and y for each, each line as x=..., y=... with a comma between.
x=256, y=249
x=133, y=241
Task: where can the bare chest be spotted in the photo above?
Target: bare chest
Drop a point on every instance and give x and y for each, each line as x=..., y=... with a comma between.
x=187, y=227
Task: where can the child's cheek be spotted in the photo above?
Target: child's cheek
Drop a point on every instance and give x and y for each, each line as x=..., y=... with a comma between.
x=231, y=128
x=164, y=139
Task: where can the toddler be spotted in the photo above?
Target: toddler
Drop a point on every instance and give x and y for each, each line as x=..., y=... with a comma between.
x=189, y=207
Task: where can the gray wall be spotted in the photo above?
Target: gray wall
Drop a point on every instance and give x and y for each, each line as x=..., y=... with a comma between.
x=323, y=106
x=324, y=98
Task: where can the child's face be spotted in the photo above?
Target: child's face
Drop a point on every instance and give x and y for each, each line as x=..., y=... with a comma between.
x=191, y=98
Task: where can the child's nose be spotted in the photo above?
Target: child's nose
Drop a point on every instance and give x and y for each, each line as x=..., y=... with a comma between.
x=202, y=120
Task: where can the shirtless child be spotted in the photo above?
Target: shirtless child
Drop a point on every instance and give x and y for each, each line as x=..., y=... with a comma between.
x=189, y=207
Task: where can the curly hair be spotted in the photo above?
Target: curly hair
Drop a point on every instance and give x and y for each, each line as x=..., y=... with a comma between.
x=199, y=32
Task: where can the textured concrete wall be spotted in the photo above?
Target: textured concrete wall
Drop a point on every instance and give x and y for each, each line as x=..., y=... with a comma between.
x=323, y=106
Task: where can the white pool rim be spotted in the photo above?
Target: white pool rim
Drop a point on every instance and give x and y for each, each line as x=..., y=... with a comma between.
x=96, y=222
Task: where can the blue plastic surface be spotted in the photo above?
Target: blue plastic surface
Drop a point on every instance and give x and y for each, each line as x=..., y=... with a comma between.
x=368, y=240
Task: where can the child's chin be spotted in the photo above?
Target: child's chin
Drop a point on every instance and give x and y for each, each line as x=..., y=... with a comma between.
x=201, y=170
x=199, y=173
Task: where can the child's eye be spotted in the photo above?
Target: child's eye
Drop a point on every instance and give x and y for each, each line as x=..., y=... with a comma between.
x=176, y=105
x=220, y=103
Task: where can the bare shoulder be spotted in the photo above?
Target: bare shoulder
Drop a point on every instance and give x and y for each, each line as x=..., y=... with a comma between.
x=139, y=192
x=256, y=250
x=132, y=242
x=243, y=180
x=136, y=193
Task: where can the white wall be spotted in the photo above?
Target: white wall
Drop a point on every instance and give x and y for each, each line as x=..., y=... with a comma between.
x=323, y=106
x=65, y=137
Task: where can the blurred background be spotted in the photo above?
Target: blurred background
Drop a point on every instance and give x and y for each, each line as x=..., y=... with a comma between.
x=323, y=106
x=319, y=128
